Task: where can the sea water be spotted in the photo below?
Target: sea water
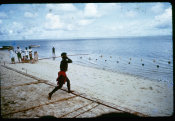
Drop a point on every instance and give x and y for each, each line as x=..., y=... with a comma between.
x=148, y=57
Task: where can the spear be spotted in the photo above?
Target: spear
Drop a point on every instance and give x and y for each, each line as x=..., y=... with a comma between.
x=60, y=56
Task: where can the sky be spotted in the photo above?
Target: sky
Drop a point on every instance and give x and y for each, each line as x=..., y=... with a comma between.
x=84, y=20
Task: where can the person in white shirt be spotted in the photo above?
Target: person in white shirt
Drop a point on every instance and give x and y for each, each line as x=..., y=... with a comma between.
x=18, y=52
x=12, y=55
x=23, y=56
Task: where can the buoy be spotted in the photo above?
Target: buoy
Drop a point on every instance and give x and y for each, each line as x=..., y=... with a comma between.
x=142, y=64
x=169, y=62
x=157, y=66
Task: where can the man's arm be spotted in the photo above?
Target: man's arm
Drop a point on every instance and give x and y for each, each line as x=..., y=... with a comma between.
x=68, y=60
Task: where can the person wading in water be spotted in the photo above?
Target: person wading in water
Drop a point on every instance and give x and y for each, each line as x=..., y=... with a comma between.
x=62, y=78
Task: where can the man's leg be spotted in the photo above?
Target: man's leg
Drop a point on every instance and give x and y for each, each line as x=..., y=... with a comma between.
x=68, y=85
x=54, y=90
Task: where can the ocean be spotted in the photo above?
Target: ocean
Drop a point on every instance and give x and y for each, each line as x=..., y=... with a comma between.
x=147, y=57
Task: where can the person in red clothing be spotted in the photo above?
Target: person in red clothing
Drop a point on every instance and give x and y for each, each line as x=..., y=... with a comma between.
x=62, y=78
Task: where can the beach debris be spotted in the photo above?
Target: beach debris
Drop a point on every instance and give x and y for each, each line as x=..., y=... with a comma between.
x=142, y=64
x=157, y=66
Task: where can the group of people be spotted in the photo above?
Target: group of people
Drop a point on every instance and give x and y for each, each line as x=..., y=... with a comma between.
x=62, y=77
x=23, y=55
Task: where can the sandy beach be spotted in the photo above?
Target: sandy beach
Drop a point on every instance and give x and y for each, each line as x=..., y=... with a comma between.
x=146, y=96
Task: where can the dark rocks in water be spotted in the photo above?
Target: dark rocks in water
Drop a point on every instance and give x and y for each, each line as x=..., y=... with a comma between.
x=157, y=66
x=142, y=64
x=169, y=62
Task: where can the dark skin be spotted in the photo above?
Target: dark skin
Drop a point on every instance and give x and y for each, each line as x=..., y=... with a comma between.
x=63, y=67
x=64, y=63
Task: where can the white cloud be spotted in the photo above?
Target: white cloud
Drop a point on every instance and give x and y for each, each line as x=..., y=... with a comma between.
x=53, y=22
x=91, y=10
x=30, y=15
x=157, y=8
x=109, y=8
x=61, y=7
x=164, y=20
x=131, y=13
x=84, y=22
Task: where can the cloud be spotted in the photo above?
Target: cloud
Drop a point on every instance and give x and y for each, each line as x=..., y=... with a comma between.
x=61, y=7
x=91, y=10
x=164, y=20
x=107, y=9
x=157, y=8
x=131, y=13
x=30, y=15
x=53, y=22
x=84, y=22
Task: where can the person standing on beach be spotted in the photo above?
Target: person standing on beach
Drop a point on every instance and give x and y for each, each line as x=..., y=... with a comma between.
x=18, y=52
x=26, y=54
x=30, y=53
x=23, y=56
x=12, y=56
x=62, y=78
x=53, y=53
x=35, y=56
